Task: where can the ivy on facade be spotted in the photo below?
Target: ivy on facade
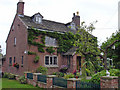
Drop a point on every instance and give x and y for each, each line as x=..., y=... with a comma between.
x=65, y=41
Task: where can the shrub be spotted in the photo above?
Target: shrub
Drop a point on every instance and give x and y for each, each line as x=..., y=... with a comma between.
x=42, y=70
x=36, y=59
x=63, y=68
x=114, y=72
x=22, y=80
x=59, y=74
x=96, y=77
x=70, y=75
x=31, y=53
x=11, y=76
x=5, y=75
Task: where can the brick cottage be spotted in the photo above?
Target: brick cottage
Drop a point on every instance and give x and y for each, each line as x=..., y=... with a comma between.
x=18, y=49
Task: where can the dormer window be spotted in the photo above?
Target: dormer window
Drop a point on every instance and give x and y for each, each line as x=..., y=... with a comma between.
x=37, y=18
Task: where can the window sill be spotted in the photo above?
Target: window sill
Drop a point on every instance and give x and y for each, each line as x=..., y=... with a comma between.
x=51, y=46
x=51, y=66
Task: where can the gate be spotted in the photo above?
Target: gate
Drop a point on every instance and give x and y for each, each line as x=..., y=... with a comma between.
x=60, y=82
x=81, y=84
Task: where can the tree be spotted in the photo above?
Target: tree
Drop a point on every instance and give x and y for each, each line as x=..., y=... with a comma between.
x=114, y=54
x=87, y=44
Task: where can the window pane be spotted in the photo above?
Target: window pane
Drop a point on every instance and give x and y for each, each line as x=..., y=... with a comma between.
x=47, y=60
x=10, y=60
x=55, y=60
x=51, y=62
x=22, y=59
x=14, y=59
x=46, y=40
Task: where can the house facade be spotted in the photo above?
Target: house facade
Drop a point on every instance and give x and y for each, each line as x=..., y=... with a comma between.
x=19, y=52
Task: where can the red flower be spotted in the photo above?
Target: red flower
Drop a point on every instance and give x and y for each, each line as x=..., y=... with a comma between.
x=13, y=64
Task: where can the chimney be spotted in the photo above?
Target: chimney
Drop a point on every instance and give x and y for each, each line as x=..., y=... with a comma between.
x=20, y=7
x=76, y=19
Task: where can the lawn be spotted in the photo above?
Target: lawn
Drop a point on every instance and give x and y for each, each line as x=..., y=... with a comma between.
x=7, y=83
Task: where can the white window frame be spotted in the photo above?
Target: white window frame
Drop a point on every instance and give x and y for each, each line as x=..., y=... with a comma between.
x=54, y=44
x=38, y=19
x=15, y=41
x=51, y=65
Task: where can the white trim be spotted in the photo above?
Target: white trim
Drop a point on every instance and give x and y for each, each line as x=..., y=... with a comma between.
x=51, y=65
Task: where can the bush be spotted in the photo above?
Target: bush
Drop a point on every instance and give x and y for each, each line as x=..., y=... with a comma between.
x=70, y=75
x=42, y=70
x=11, y=76
x=5, y=75
x=114, y=72
x=96, y=77
x=63, y=68
x=36, y=59
x=59, y=74
x=22, y=80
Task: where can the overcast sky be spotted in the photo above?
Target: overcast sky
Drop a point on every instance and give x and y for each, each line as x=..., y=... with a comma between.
x=104, y=11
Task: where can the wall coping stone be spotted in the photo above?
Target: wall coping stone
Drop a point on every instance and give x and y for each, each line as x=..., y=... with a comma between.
x=109, y=77
x=74, y=79
x=51, y=76
x=27, y=72
x=37, y=73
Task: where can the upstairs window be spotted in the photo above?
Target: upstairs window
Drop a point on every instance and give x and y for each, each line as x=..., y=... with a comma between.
x=14, y=41
x=50, y=41
x=38, y=19
x=22, y=60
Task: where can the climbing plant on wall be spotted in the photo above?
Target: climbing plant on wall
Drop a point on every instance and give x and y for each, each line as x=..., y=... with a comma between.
x=65, y=41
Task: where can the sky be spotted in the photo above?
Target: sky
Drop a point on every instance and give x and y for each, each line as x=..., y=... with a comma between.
x=104, y=11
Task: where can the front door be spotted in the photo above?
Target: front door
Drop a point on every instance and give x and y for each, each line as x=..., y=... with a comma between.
x=78, y=62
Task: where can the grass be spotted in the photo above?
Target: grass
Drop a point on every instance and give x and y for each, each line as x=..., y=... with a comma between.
x=7, y=83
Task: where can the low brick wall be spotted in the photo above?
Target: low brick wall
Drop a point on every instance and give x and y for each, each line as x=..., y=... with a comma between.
x=109, y=82
x=30, y=81
x=17, y=77
x=41, y=84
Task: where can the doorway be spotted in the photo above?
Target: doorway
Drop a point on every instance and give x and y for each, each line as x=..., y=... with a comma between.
x=78, y=62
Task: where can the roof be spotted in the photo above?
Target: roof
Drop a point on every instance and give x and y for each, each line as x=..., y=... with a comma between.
x=46, y=25
x=71, y=52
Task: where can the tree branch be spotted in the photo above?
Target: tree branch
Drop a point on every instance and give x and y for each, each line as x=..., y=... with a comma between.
x=109, y=46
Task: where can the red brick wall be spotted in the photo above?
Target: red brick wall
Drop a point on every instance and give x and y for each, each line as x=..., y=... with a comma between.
x=18, y=30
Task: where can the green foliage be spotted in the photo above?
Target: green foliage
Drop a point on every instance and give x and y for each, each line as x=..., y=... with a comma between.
x=59, y=74
x=40, y=49
x=36, y=59
x=43, y=39
x=31, y=53
x=96, y=77
x=113, y=53
x=42, y=70
x=65, y=41
x=114, y=72
x=5, y=75
x=69, y=75
x=11, y=76
x=22, y=80
x=50, y=50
